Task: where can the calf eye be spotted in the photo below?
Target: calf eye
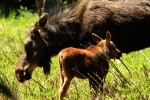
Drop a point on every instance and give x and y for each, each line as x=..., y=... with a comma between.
x=112, y=47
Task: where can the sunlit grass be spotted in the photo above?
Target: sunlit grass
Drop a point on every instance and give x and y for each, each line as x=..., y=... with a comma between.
x=133, y=85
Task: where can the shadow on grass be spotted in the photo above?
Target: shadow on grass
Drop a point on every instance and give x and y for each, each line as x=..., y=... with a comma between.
x=6, y=91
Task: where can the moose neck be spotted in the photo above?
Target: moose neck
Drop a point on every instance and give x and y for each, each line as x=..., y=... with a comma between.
x=59, y=36
x=63, y=29
x=99, y=51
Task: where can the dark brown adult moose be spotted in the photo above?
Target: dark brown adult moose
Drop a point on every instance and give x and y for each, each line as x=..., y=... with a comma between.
x=128, y=21
x=91, y=63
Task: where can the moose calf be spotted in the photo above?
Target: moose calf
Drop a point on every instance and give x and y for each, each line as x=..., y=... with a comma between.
x=90, y=63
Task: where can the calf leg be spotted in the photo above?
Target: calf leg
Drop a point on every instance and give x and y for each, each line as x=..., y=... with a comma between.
x=61, y=78
x=64, y=87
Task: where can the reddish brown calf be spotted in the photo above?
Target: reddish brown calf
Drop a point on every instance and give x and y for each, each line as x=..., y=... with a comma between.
x=91, y=63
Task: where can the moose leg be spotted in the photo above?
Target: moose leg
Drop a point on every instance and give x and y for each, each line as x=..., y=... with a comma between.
x=64, y=87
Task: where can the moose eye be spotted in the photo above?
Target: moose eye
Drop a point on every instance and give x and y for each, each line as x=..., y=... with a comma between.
x=28, y=44
x=29, y=49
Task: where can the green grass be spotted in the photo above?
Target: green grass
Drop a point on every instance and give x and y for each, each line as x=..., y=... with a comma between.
x=133, y=85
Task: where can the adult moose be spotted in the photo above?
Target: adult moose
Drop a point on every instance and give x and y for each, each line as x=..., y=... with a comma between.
x=73, y=27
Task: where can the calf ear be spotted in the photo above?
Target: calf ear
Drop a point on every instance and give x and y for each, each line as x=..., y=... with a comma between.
x=96, y=38
x=108, y=36
x=41, y=21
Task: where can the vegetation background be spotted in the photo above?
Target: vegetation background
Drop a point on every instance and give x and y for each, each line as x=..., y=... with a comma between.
x=128, y=79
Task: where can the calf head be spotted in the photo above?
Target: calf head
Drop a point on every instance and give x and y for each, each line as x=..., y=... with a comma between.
x=107, y=46
x=34, y=54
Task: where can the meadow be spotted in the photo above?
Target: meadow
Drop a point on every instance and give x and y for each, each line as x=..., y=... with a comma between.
x=128, y=79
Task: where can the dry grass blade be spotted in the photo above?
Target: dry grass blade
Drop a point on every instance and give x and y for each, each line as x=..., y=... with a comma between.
x=8, y=57
x=138, y=90
x=145, y=56
x=4, y=76
x=38, y=83
x=126, y=67
x=118, y=71
x=146, y=71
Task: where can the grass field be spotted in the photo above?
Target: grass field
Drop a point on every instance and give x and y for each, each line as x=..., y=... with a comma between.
x=121, y=83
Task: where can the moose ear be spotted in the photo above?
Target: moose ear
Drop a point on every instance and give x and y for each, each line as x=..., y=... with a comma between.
x=42, y=21
x=108, y=36
x=96, y=38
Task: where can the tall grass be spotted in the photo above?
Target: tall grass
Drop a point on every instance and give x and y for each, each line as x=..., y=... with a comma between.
x=129, y=80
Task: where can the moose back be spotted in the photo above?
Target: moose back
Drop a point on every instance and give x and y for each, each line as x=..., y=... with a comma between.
x=128, y=21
